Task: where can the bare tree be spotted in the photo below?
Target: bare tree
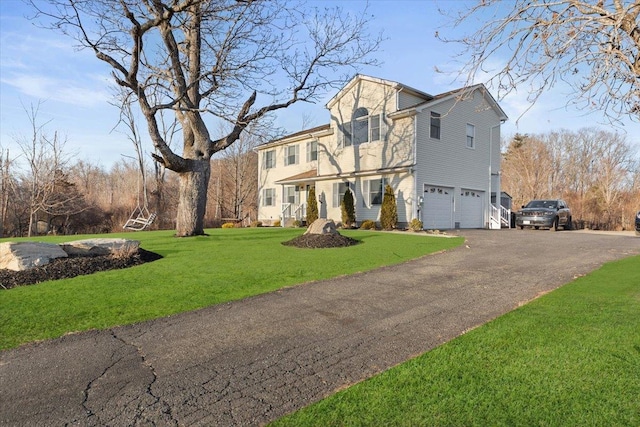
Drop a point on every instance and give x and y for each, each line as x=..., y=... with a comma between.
x=6, y=184
x=593, y=46
x=229, y=59
x=526, y=169
x=50, y=191
x=236, y=173
x=594, y=170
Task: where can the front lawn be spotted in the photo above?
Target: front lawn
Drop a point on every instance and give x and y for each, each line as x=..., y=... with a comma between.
x=227, y=265
x=570, y=358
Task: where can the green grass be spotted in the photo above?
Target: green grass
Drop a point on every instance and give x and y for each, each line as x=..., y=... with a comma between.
x=227, y=265
x=570, y=358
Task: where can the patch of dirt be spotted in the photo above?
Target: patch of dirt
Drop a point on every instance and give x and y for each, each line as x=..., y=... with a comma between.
x=318, y=241
x=64, y=268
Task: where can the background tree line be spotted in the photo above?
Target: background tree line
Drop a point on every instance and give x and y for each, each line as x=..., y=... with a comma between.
x=596, y=172
x=45, y=190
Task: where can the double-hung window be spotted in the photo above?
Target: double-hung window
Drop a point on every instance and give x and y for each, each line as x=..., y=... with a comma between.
x=270, y=159
x=290, y=194
x=291, y=155
x=339, y=188
x=471, y=136
x=373, y=191
x=434, y=129
x=269, y=197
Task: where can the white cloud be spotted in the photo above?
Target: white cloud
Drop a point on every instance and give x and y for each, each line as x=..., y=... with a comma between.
x=62, y=90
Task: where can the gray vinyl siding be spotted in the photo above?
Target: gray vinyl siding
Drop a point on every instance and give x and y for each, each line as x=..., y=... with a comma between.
x=406, y=100
x=448, y=161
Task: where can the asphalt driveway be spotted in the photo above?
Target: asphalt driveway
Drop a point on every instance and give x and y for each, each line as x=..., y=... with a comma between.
x=252, y=361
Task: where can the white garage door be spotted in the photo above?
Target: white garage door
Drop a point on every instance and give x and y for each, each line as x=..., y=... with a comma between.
x=438, y=208
x=471, y=209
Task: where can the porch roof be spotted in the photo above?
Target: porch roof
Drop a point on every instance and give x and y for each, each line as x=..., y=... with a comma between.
x=304, y=176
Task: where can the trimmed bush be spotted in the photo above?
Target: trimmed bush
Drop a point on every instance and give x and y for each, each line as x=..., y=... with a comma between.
x=348, y=210
x=255, y=224
x=312, y=206
x=368, y=224
x=416, y=225
x=276, y=223
x=228, y=225
x=389, y=209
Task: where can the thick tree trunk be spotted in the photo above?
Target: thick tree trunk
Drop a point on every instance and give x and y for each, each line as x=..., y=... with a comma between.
x=192, y=203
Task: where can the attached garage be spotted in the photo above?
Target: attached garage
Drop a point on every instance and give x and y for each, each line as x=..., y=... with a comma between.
x=438, y=208
x=471, y=209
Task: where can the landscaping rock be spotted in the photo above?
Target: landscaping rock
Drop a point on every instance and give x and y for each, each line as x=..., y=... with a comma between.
x=19, y=256
x=101, y=246
x=322, y=226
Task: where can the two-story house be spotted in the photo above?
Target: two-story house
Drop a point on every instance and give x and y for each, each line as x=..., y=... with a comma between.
x=440, y=154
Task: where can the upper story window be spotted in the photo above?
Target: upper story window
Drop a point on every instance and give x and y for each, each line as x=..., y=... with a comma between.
x=434, y=129
x=269, y=159
x=312, y=151
x=362, y=128
x=291, y=153
x=471, y=136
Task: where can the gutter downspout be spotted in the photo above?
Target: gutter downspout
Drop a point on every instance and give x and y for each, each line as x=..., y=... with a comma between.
x=417, y=210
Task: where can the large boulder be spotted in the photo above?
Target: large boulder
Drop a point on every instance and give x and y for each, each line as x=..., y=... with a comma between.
x=18, y=256
x=101, y=246
x=322, y=226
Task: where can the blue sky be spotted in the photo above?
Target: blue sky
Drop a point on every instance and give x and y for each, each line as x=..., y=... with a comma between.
x=40, y=65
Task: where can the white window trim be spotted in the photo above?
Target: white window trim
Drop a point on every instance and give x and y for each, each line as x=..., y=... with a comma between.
x=473, y=136
x=266, y=163
x=291, y=190
x=265, y=198
x=336, y=200
x=439, y=117
x=382, y=131
x=296, y=155
x=366, y=190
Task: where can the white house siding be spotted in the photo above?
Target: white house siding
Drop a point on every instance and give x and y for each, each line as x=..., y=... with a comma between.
x=392, y=151
x=268, y=178
x=402, y=184
x=448, y=162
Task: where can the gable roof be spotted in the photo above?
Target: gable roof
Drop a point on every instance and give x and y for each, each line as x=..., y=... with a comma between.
x=460, y=93
x=303, y=134
x=361, y=77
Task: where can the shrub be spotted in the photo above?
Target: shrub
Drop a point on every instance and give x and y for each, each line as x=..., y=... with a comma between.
x=255, y=224
x=368, y=224
x=297, y=223
x=228, y=225
x=416, y=225
x=312, y=206
x=389, y=209
x=348, y=209
x=276, y=223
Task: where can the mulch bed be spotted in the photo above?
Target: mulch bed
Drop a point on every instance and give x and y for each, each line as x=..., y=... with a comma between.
x=317, y=241
x=64, y=268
